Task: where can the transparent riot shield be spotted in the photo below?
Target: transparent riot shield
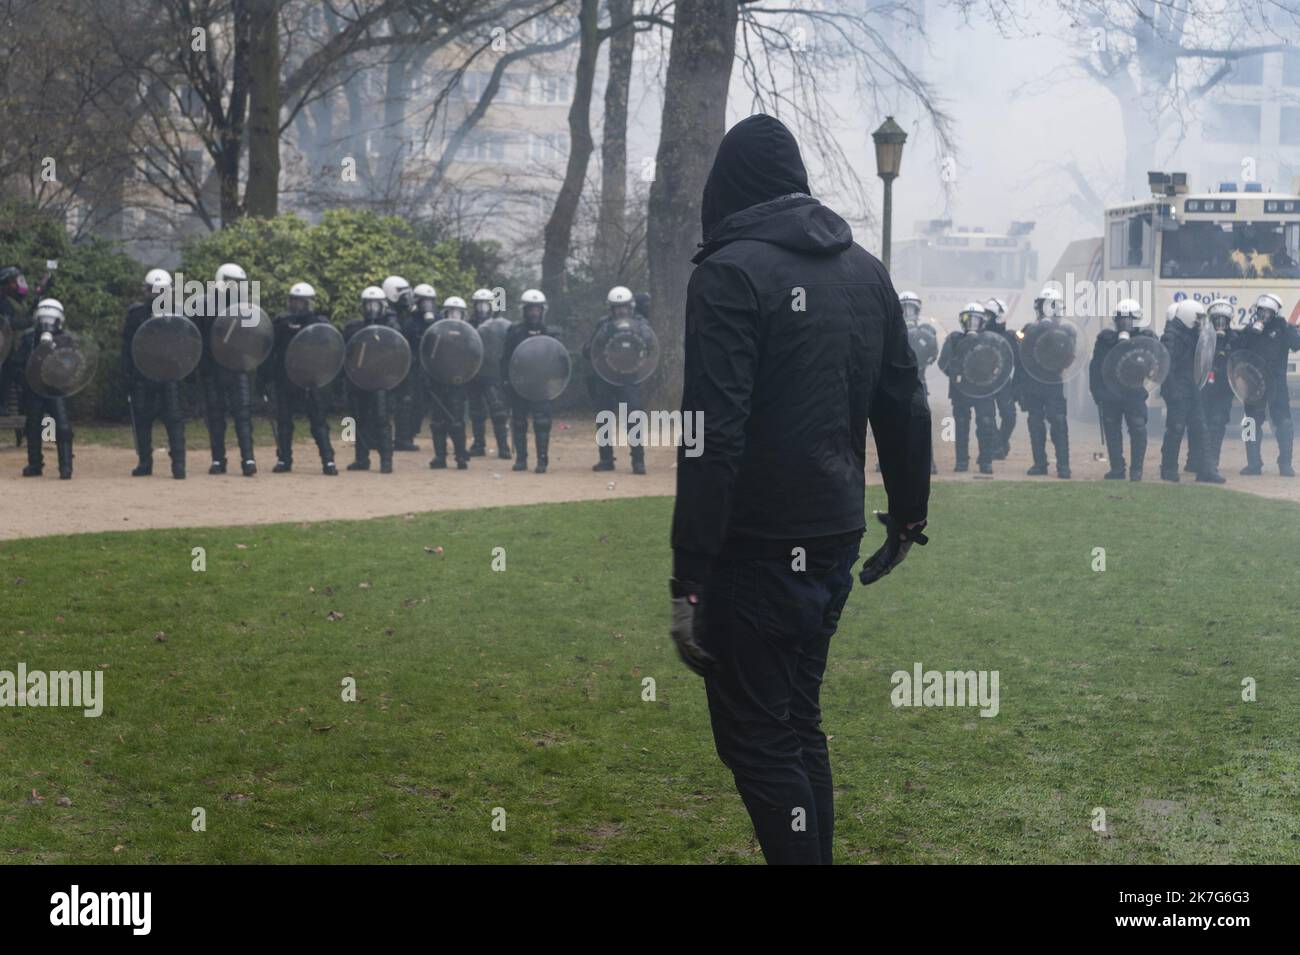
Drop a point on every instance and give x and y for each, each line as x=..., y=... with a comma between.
x=625, y=351
x=166, y=348
x=539, y=368
x=377, y=358
x=314, y=356
x=451, y=351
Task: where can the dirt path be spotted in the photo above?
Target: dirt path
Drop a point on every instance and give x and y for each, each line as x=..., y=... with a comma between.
x=104, y=497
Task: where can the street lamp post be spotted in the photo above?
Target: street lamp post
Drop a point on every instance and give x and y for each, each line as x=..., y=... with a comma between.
x=889, y=139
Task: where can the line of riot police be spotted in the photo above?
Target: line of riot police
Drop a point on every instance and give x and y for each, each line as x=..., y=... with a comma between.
x=1199, y=363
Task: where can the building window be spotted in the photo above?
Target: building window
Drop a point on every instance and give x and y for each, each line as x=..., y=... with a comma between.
x=484, y=147
x=547, y=147
x=1247, y=71
x=1232, y=123
x=1291, y=68
x=553, y=90
x=1289, y=126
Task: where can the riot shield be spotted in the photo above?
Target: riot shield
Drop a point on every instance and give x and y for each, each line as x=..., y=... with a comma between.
x=451, y=351
x=166, y=348
x=924, y=339
x=61, y=367
x=377, y=358
x=1247, y=376
x=1135, y=365
x=314, y=356
x=242, y=337
x=493, y=334
x=986, y=366
x=625, y=351
x=539, y=368
x=1050, y=351
x=1207, y=345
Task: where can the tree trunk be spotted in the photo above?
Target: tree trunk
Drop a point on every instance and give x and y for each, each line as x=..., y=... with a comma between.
x=611, y=227
x=263, y=191
x=694, y=120
x=558, y=234
x=231, y=136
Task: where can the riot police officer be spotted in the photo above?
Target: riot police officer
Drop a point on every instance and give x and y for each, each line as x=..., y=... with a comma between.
x=1216, y=396
x=606, y=397
x=1184, y=413
x=151, y=400
x=407, y=397
x=447, y=405
x=910, y=303
x=1004, y=402
x=956, y=347
x=13, y=289
x=532, y=305
x=226, y=391
x=47, y=322
x=1120, y=407
x=1268, y=335
x=411, y=401
x=290, y=398
x=371, y=410
x=1043, y=402
x=486, y=399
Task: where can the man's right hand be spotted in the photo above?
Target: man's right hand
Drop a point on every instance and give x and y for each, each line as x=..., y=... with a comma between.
x=899, y=539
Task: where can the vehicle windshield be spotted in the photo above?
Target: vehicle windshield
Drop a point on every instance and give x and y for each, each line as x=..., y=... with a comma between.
x=949, y=267
x=1232, y=250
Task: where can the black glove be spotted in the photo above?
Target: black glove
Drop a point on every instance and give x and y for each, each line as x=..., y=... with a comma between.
x=688, y=624
x=899, y=539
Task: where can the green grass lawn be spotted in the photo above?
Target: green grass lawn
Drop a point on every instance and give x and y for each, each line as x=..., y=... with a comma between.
x=523, y=690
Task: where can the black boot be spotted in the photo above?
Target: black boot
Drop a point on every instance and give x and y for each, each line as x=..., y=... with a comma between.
x=143, y=469
x=520, y=436
x=282, y=467
x=606, y=458
x=64, y=447
x=1285, y=431
x=501, y=430
x=218, y=467
x=638, y=460
x=543, y=446
x=478, y=448
x=249, y=468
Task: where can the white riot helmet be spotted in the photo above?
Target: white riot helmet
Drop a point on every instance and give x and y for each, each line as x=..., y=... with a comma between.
x=424, y=290
x=533, y=305
x=911, y=305
x=996, y=309
x=1266, y=308
x=454, y=307
x=229, y=272
x=301, y=298
x=972, y=317
x=1171, y=311
x=373, y=301
x=1221, y=313
x=1189, y=313
x=394, y=286
x=1128, y=316
x=157, y=282
x=620, y=301
x=48, y=318
x=483, y=300
x=1049, y=303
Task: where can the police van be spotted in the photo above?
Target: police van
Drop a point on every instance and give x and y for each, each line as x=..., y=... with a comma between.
x=1234, y=243
x=949, y=266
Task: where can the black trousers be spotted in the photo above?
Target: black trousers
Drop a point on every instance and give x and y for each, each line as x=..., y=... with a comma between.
x=447, y=409
x=1183, y=416
x=986, y=429
x=1044, y=410
x=487, y=399
x=607, y=397
x=520, y=410
x=149, y=402
x=37, y=409
x=769, y=628
x=1114, y=416
x=1216, y=398
x=291, y=400
x=227, y=392
x=371, y=412
x=1277, y=406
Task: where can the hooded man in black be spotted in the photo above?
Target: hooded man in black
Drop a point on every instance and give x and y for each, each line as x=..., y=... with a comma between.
x=795, y=341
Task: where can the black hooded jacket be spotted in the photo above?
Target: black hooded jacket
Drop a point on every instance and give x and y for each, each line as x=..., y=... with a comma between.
x=794, y=342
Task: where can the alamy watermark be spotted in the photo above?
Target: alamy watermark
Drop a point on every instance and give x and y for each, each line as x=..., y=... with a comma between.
x=654, y=429
x=82, y=689
x=946, y=688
